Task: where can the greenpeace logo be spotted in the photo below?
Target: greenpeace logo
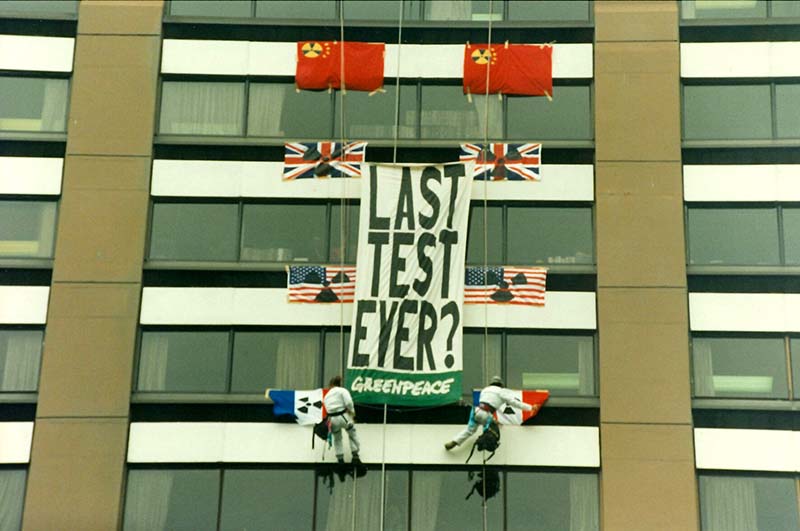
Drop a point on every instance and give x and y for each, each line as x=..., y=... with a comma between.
x=394, y=386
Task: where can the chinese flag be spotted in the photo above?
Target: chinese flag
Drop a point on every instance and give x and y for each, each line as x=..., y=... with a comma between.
x=519, y=69
x=319, y=65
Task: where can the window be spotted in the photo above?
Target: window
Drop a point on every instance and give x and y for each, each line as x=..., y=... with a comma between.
x=740, y=367
x=307, y=9
x=752, y=235
x=202, y=108
x=67, y=7
x=709, y=9
x=20, y=356
x=172, y=500
x=269, y=232
x=748, y=502
x=438, y=502
x=562, y=363
x=277, y=110
x=267, y=499
x=555, y=10
x=524, y=234
x=12, y=485
x=210, y=8
x=560, y=502
x=335, y=502
x=785, y=8
x=388, y=10
x=794, y=346
x=741, y=112
x=194, y=231
x=237, y=361
x=27, y=229
x=33, y=104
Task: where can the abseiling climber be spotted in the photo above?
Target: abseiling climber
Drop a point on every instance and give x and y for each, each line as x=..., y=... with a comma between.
x=493, y=397
x=341, y=415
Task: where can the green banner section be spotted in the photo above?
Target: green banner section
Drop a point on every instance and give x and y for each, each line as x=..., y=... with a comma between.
x=370, y=386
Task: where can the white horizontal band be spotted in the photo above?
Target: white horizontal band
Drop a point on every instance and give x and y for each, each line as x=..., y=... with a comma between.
x=269, y=306
x=740, y=449
x=242, y=58
x=36, y=54
x=16, y=440
x=23, y=304
x=751, y=183
x=420, y=444
x=744, y=312
x=30, y=175
x=740, y=59
x=210, y=178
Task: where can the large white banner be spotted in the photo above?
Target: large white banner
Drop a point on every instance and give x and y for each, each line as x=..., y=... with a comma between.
x=406, y=341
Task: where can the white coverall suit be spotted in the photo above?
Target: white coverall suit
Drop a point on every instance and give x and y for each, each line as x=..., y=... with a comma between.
x=339, y=405
x=495, y=397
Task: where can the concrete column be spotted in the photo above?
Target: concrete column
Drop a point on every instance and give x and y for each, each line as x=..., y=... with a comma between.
x=648, y=478
x=77, y=465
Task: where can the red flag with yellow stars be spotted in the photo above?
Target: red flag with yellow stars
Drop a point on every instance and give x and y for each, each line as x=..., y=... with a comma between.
x=339, y=65
x=517, y=69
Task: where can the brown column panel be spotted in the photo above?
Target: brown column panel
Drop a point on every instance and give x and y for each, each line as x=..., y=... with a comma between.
x=628, y=20
x=637, y=94
x=639, y=208
x=101, y=230
x=118, y=17
x=76, y=474
x=648, y=478
x=644, y=355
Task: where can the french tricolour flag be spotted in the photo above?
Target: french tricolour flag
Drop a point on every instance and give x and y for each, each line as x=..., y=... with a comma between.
x=305, y=406
x=512, y=415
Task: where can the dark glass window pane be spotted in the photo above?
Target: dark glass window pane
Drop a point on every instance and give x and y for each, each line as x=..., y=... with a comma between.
x=485, y=248
x=562, y=364
x=285, y=233
x=193, y=361
x=373, y=116
x=267, y=499
x=380, y=10
x=763, y=503
x=794, y=345
x=788, y=110
x=39, y=6
x=692, y=9
x=549, y=235
x=727, y=112
x=560, y=502
x=278, y=360
x=727, y=236
x=277, y=109
x=306, y=9
x=791, y=235
x=350, y=228
x=548, y=10
x=447, y=113
x=474, y=10
x=335, y=505
x=478, y=369
x=194, y=232
x=567, y=117
x=210, y=8
x=785, y=8
x=27, y=229
x=201, y=108
x=171, y=500
x=336, y=350
x=33, y=104
x=438, y=502
x=12, y=485
x=739, y=367
x=20, y=355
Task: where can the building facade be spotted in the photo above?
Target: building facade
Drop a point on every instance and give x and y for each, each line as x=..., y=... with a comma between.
x=145, y=232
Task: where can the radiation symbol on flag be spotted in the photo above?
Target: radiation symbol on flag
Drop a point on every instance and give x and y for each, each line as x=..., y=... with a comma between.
x=482, y=56
x=312, y=49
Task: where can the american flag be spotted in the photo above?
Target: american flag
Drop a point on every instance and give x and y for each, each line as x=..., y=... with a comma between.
x=323, y=159
x=513, y=162
x=322, y=283
x=505, y=285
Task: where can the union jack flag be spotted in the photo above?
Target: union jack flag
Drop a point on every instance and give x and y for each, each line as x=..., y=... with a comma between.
x=505, y=285
x=323, y=159
x=322, y=283
x=514, y=162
